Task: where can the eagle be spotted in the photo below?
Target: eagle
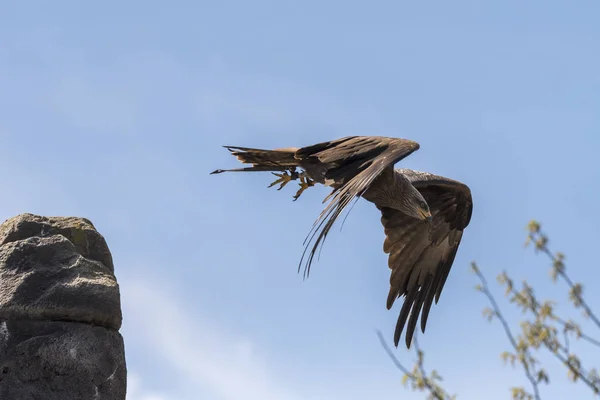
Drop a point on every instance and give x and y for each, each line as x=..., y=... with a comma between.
x=423, y=215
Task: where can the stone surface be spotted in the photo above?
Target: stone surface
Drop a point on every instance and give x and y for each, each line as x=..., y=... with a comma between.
x=60, y=312
x=60, y=360
x=79, y=231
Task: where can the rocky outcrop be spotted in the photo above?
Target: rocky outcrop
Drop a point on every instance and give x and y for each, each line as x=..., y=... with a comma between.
x=60, y=312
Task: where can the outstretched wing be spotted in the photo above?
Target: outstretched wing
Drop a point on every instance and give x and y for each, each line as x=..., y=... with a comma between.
x=350, y=165
x=421, y=255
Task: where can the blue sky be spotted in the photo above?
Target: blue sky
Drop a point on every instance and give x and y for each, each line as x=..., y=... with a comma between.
x=116, y=112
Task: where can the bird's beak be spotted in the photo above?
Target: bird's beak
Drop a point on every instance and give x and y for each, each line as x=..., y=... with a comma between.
x=426, y=215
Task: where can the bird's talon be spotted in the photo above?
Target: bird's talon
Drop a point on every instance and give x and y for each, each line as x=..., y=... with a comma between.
x=305, y=183
x=284, y=178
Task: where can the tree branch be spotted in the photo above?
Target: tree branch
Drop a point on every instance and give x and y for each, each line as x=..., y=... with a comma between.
x=418, y=377
x=525, y=361
x=541, y=244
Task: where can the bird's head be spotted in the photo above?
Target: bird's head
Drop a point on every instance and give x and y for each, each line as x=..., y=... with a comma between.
x=417, y=206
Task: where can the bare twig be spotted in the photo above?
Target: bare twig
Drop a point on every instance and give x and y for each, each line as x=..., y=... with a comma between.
x=394, y=359
x=541, y=329
x=528, y=367
x=541, y=244
x=418, y=377
x=572, y=286
x=560, y=351
x=533, y=305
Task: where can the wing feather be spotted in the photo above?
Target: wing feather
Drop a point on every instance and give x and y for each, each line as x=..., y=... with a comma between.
x=355, y=163
x=420, y=255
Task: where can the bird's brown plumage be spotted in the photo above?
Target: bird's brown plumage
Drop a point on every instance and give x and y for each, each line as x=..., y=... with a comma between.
x=350, y=165
x=420, y=253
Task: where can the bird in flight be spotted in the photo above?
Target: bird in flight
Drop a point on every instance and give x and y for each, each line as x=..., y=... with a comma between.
x=423, y=215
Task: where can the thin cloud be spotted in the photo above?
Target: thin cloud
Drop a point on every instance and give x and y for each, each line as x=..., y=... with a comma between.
x=207, y=358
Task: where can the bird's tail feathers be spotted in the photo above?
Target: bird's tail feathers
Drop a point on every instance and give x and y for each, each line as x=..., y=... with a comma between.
x=262, y=160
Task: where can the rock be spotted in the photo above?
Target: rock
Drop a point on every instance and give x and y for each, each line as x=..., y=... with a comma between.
x=60, y=312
